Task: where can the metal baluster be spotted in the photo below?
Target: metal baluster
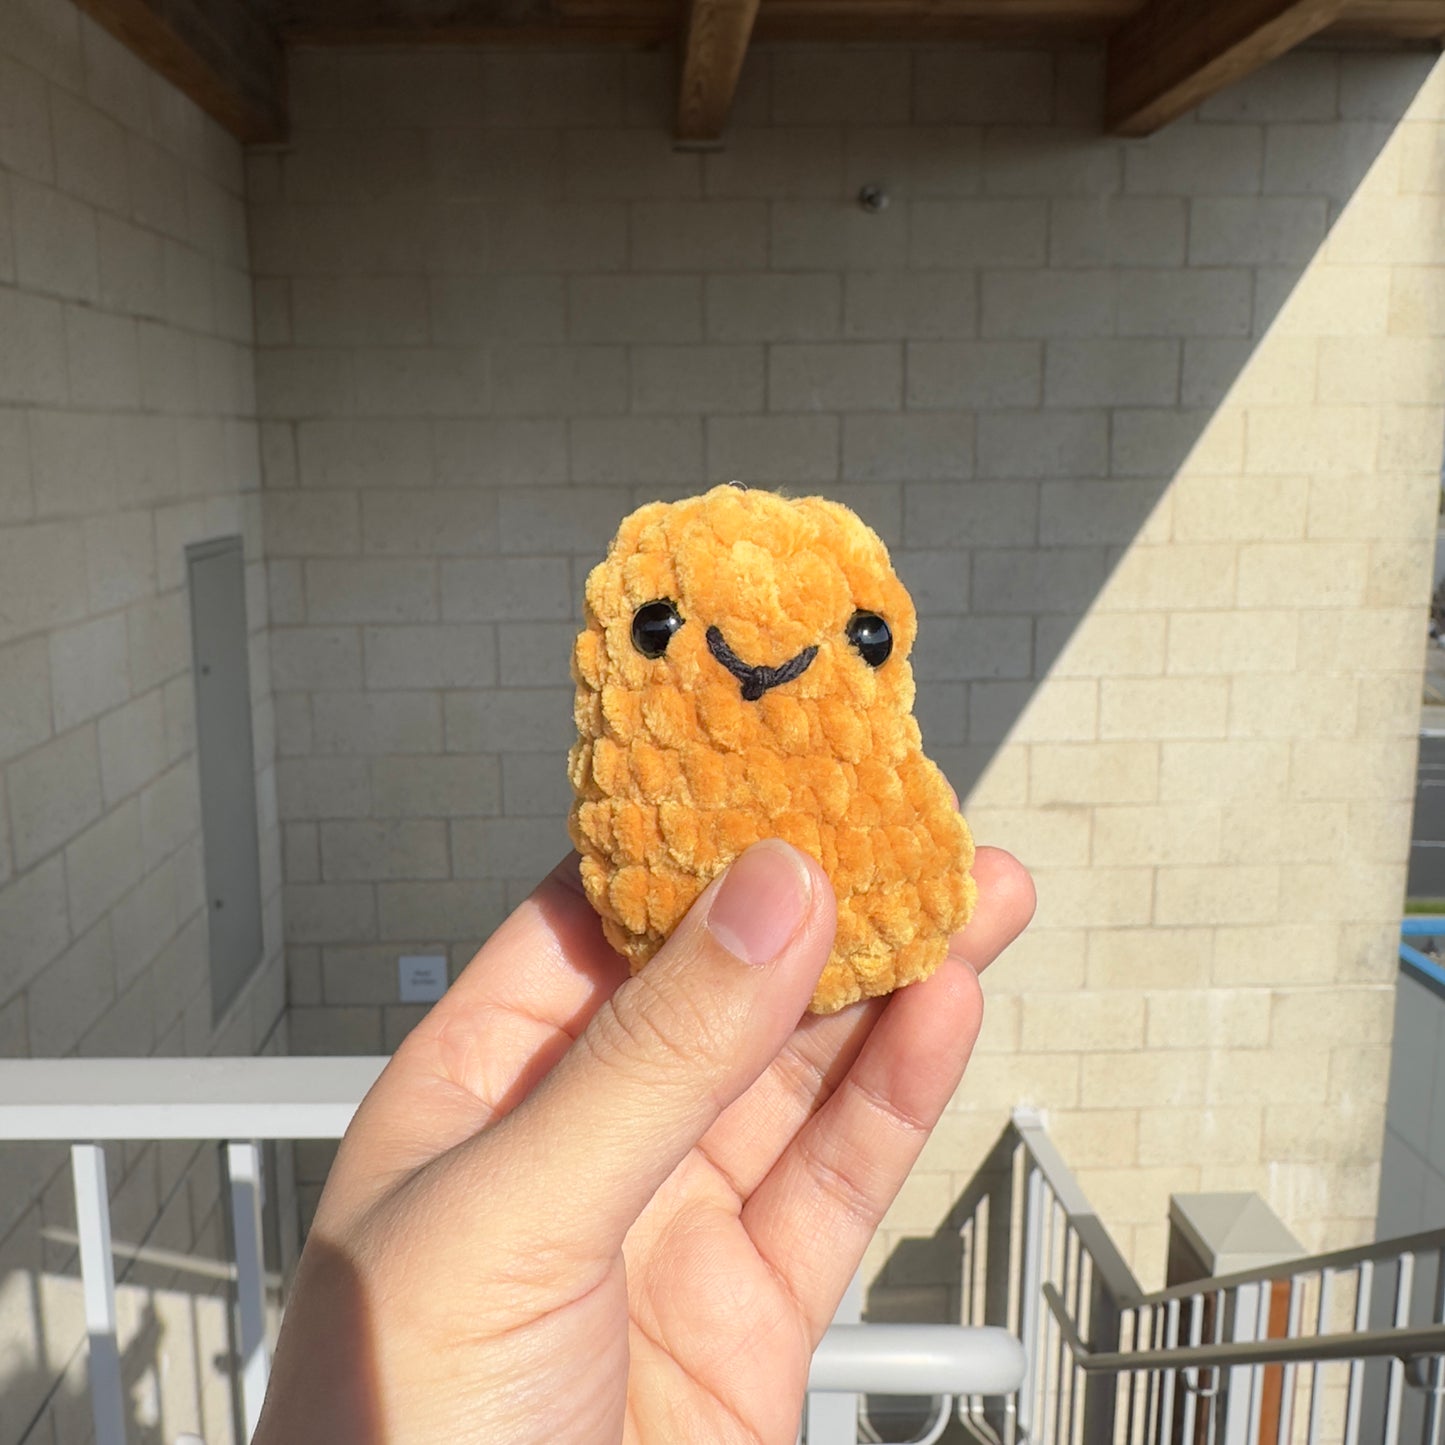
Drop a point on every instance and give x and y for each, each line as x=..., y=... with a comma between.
x=1241, y=1381
x=1435, y=1398
x=968, y=1405
x=1059, y=1275
x=1216, y=1376
x=1062, y=1356
x=1039, y=1343
x=970, y=1271
x=1151, y=1379
x=1050, y=1326
x=97, y=1278
x=1000, y=1305
x=1166, y=1385
x=1321, y=1324
x=1256, y=1375
x=1133, y=1378
x=1364, y=1282
x=1075, y=1373
x=243, y=1170
x=1101, y=1392
x=1029, y=1297
x=965, y=1300
x=1191, y=1396
x=1148, y=1320
x=1287, y=1380
x=1404, y=1279
x=1115, y=1387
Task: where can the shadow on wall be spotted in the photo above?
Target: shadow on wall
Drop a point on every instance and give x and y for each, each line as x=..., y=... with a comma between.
x=1183, y=421
x=1279, y=405
x=177, y=1355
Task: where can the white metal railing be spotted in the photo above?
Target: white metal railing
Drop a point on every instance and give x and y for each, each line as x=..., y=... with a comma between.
x=241, y=1102
x=1346, y=1347
x=245, y=1102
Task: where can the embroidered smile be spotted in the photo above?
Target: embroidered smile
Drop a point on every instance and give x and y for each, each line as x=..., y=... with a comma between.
x=757, y=680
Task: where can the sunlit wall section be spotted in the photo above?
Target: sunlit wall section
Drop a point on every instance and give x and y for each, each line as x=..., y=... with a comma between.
x=1214, y=779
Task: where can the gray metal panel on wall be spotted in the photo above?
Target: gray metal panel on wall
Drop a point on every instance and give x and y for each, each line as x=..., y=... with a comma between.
x=226, y=760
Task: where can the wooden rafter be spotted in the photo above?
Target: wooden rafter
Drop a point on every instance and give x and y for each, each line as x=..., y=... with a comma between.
x=1391, y=20
x=1176, y=53
x=647, y=22
x=714, y=43
x=219, y=52
x=1164, y=56
x=657, y=22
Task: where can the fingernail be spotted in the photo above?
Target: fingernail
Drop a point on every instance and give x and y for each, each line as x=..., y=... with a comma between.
x=763, y=898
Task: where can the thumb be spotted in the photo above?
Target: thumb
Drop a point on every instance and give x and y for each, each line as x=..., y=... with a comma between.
x=672, y=1048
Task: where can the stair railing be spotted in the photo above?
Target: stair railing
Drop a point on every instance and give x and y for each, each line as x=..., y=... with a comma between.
x=1343, y=1347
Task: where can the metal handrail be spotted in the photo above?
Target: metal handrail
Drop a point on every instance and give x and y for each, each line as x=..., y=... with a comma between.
x=1423, y=1343
x=1426, y=1242
x=887, y=1359
x=61, y=1100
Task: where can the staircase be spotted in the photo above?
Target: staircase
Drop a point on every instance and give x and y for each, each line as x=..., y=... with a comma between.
x=1346, y=1347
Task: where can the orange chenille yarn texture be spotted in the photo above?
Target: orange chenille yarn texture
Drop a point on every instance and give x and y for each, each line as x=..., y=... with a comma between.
x=762, y=717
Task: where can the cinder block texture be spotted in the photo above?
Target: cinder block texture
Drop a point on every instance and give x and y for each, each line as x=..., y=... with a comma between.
x=1153, y=428
x=127, y=430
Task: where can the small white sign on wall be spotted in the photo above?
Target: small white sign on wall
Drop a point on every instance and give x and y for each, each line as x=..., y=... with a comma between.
x=423, y=977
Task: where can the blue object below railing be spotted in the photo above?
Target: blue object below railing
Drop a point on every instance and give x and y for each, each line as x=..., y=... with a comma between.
x=1425, y=968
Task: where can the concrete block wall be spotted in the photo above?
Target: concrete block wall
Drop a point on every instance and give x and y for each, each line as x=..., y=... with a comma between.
x=1152, y=428
x=127, y=430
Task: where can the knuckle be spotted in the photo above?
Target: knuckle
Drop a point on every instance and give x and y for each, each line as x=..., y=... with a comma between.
x=846, y=1180
x=658, y=1032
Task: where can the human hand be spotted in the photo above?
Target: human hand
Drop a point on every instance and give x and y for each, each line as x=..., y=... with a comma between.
x=581, y=1208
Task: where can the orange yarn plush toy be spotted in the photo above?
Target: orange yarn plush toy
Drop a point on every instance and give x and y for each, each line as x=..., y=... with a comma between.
x=743, y=673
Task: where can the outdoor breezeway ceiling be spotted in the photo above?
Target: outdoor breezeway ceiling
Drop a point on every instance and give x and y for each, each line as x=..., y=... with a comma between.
x=1164, y=56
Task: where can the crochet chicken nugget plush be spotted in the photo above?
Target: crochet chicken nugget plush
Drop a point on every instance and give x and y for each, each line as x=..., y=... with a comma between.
x=743, y=674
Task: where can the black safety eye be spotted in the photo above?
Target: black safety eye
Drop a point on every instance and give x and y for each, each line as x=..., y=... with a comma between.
x=869, y=633
x=652, y=627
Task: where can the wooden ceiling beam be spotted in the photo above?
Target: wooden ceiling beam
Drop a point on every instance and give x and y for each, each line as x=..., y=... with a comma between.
x=1164, y=56
x=1176, y=53
x=657, y=22
x=221, y=53
x=1391, y=20
x=714, y=43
